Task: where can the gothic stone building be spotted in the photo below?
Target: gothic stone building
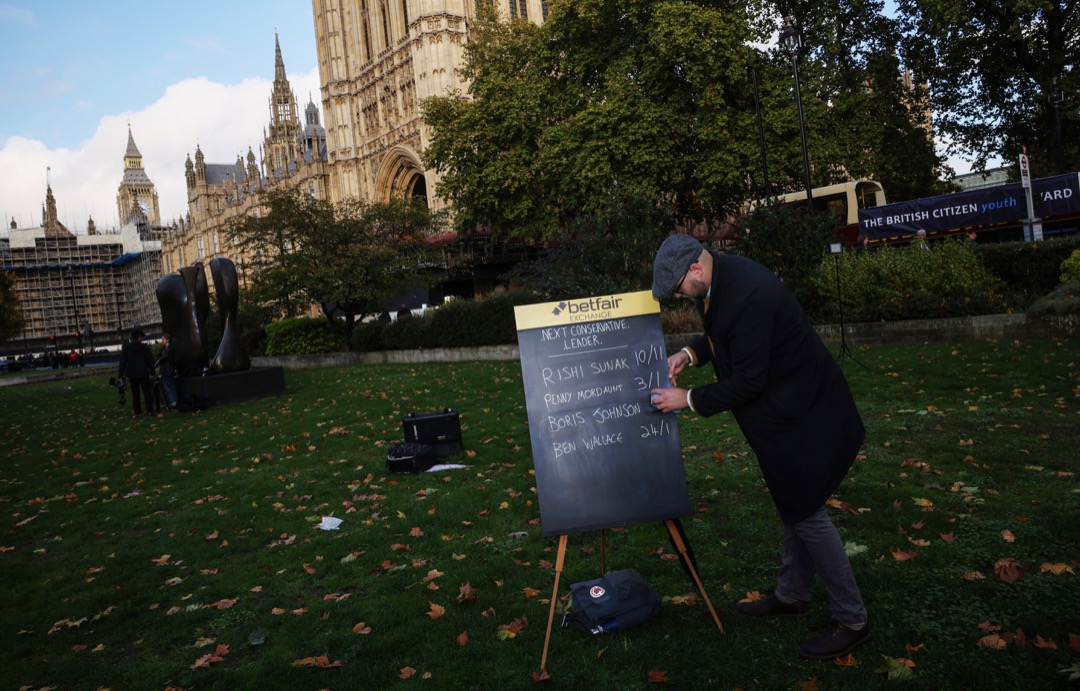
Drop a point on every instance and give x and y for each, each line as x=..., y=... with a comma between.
x=378, y=59
x=292, y=156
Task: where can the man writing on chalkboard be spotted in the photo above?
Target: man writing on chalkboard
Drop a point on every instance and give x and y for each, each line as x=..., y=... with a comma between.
x=793, y=404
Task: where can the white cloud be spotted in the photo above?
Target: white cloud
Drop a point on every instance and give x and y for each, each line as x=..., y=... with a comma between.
x=224, y=120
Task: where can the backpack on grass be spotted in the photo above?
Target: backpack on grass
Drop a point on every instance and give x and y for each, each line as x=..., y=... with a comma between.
x=615, y=601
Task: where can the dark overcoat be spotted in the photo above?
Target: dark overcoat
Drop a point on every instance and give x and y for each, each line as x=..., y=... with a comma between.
x=136, y=360
x=786, y=391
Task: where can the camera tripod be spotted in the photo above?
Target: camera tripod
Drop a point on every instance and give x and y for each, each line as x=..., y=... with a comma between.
x=158, y=401
x=844, y=351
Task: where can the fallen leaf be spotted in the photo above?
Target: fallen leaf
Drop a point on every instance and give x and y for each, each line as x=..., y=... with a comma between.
x=436, y=610
x=901, y=555
x=321, y=661
x=1046, y=643
x=406, y=672
x=1008, y=570
x=467, y=593
x=993, y=641
x=657, y=676
x=217, y=656
x=897, y=668
x=462, y=639
x=1008, y=536
x=848, y=661
x=1056, y=569
x=362, y=628
x=508, y=631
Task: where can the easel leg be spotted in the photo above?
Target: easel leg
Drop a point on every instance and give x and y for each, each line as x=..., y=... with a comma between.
x=681, y=546
x=559, y=559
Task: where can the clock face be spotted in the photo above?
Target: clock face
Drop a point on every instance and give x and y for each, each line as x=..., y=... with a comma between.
x=144, y=206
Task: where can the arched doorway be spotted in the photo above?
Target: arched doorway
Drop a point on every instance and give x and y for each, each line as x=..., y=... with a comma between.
x=401, y=174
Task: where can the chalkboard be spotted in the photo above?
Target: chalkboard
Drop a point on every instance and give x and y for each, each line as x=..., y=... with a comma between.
x=603, y=455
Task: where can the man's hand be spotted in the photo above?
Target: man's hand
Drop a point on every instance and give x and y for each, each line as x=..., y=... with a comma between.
x=668, y=400
x=675, y=364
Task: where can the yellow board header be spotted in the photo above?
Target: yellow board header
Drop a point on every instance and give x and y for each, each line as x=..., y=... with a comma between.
x=581, y=310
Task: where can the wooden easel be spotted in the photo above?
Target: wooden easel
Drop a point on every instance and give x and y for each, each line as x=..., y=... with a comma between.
x=560, y=559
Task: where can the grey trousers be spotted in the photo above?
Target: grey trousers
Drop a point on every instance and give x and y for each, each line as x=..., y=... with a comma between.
x=812, y=546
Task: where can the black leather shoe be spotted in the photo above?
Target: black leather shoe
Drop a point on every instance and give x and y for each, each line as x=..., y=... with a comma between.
x=833, y=642
x=772, y=606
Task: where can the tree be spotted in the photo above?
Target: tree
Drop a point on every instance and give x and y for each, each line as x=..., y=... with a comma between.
x=653, y=101
x=345, y=258
x=11, y=319
x=639, y=98
x=993, y=66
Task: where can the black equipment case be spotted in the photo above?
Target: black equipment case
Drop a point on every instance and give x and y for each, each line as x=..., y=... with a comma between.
x=440, y=429
x=410, y=458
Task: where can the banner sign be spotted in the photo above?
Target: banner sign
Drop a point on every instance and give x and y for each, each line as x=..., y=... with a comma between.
x=603, y=456
x=1054, y=196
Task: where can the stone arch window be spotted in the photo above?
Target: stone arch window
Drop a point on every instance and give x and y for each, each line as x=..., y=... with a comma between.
x=405, y=14
x=365, y=27
x=384, y=11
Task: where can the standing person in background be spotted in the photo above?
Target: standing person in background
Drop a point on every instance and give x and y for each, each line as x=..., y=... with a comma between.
x=793, y=404
x=137, y=364
x=166, y=367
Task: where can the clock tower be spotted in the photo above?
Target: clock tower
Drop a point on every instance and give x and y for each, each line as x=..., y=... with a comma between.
x=136, y=199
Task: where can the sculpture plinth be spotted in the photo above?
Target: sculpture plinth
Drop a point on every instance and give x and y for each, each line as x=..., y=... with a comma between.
x=237, y=387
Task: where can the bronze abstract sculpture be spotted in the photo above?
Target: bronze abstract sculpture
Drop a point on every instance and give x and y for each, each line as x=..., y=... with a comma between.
x=184, y=299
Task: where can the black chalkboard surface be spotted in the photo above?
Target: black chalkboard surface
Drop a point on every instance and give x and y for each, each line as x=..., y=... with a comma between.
x=603, y=455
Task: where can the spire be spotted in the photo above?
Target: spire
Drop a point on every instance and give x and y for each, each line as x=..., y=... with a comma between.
x=132, y=150
x=279, y=64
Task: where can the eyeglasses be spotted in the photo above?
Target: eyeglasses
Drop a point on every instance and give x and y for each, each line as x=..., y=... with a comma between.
x=679, y=284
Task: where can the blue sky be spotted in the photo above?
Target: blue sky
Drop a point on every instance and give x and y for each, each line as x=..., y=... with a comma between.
x=74, y=73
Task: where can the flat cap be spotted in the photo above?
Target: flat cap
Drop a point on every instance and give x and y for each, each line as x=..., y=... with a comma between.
x=673, y=260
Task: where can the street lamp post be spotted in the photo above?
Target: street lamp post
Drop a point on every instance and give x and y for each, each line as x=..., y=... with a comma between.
x=791, y=37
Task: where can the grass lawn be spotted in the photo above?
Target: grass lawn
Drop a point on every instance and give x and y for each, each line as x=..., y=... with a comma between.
x=182, y=551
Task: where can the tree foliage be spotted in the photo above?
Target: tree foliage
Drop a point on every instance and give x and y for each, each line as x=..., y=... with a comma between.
x=789, y=242
x=654, y=100
x=636, y=98
x=346, y=257
x=11, y=320
x=610, y=251
x=992, y=66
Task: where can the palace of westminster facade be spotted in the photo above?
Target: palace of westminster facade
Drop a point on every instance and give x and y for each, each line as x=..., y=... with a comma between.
x=378, y=59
